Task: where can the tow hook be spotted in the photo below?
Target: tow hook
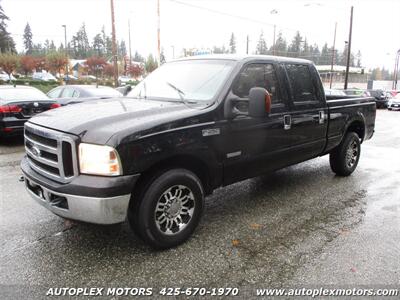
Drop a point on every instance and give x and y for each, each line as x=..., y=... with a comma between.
x=21, y=178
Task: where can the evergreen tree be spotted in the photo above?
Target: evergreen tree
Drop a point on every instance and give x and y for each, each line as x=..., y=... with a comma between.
x=325, y=58
x=122, y=49
x=232, y=44
x=28, y=43
x=80, y=43
x=280, y=45
x=151, y=64
x=7, y=43
x=138, y=57
x=98, y=44
x=219, y=50
x=261, y=45
x=295, y=46
x=358, y=59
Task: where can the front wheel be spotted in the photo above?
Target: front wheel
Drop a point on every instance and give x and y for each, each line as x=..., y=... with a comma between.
x=169, y=210
x=344, y=158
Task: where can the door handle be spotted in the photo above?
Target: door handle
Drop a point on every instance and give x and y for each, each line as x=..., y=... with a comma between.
x=321, y=115
x=287, y=122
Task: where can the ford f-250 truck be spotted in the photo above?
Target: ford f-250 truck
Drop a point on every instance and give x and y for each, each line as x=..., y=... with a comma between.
x=191, y=126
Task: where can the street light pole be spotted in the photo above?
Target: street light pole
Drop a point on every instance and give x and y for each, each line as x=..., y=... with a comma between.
x=66, y=51
x=129, y=35
x=333, y=56
x=396, y=70
x=114, y=46
x=247, y=44
x=346, y=79
x=158, y=33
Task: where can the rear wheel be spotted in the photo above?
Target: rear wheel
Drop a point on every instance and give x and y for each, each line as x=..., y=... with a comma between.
x=169, y=209
x=344, y=158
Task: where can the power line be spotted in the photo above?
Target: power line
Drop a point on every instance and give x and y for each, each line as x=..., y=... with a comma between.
x=230, y=15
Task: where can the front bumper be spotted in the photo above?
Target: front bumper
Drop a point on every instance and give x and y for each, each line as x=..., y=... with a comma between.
x=92, y=199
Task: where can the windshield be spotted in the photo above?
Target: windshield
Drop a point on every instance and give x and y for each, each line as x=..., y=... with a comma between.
x=193, y=80
x=16, y=94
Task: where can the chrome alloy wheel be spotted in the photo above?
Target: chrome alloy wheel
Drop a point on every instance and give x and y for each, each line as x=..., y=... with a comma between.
x=174, y=209
x=352, y=154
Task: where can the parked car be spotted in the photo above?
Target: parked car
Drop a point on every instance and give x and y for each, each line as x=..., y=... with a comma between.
x=88, y=77
x=191, y=126
x=394, y=103
x=43, y=76
x=18, y=104
x=122, y=80
x=380, y=97
x=69, y=77
x=354, y=92
x=5, y=77
x=71, y=94
x=333, y=92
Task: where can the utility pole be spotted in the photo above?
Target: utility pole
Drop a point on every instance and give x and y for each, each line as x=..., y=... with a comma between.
x=247, y=44
x=273, y=45
x=333, y=56
x=396, y=70
x=346, y=79
x=114, y=45
x=66, y=51
x=158, y=33
x=129, y=34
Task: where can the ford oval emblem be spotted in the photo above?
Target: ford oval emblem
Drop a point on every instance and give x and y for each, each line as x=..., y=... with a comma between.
x=35, y=104
x=35, y=151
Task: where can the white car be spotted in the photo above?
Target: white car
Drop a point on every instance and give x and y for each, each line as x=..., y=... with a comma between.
x=5, y=77
x=43, y=76
x=394, y=103
x=124, y=79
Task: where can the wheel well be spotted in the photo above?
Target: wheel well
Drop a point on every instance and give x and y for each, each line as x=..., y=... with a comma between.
x=357, y=127
x=188, y=162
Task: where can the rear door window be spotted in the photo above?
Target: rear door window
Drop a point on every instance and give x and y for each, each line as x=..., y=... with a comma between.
x=56, y=93
x=301, y=82
x=68, y=93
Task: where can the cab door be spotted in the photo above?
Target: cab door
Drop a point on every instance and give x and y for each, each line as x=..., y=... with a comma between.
x=307, y=121
x=252, y=146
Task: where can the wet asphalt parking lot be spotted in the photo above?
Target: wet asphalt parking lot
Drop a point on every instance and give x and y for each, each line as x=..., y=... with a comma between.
x=299, y=227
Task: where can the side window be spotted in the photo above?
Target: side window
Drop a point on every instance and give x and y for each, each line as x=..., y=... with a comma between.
x=258, y=75
x=55, y=94
x=76, y=94
x=301, y=82
x=68, y=93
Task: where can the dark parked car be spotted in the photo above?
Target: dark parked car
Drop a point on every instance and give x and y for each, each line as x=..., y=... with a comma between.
x=71, y=94
x=191, y=126
x=18, y=104
x=380, y=97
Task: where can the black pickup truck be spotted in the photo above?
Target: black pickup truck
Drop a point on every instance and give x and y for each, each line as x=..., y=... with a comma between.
x=191, y=126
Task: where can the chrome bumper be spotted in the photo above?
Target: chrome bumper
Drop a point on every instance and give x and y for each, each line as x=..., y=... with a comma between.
x=87, y=209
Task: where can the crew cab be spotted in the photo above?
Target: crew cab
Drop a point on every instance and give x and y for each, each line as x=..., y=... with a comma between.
x=191, y=126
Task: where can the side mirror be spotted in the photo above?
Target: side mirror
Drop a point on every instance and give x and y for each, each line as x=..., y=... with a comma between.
x=259, y=102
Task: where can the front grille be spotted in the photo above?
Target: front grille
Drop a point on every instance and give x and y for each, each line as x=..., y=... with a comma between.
x=51, y=153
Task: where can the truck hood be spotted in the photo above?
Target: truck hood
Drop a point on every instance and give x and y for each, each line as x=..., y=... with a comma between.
x=98, y=121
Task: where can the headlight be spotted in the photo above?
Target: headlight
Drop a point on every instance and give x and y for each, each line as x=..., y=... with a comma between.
x=99, y=160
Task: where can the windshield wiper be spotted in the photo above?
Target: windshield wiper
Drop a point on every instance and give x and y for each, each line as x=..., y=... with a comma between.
x=180, y=92
x=181, y=95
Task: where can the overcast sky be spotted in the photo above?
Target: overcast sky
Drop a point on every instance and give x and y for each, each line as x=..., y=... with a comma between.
x=376, y=26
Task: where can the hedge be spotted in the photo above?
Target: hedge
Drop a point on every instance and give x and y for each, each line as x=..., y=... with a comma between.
x=46, y=86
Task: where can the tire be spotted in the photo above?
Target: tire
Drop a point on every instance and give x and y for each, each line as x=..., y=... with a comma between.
x=344, y=158
x=174, y=197
x=389, y=108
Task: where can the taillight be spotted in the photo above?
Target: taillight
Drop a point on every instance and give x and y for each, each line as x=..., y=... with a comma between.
x=10, y=109
x=55, y=105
